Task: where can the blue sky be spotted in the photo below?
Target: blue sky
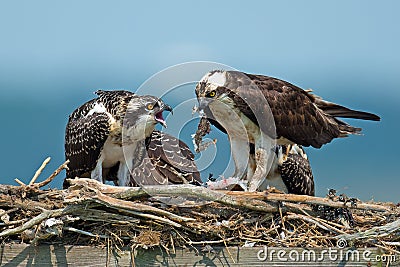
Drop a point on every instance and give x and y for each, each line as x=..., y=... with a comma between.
x=54, y=55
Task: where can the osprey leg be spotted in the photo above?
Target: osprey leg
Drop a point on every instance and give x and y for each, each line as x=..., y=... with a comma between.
x=97, y=173
x=240, y=153
x=263, y=158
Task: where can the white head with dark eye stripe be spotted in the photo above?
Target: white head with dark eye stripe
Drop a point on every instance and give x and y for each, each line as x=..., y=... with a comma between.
x=212, y=87
x=207, y=86
x=142, y=115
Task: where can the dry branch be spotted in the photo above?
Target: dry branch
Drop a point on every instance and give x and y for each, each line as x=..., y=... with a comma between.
x=35, y=220
x=126, y=205
x=313, y=221
x=179, y=190
x=309, y=200
x=374, y=232
x=39, y=171
x=54, y=174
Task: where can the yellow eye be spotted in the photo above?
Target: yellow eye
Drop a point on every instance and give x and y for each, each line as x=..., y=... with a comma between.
x=211, y=94
x=150, y=106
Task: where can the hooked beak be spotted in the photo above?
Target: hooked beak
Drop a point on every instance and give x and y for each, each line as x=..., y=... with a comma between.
x=159, y=116
x=203, y=103
x=168, y=108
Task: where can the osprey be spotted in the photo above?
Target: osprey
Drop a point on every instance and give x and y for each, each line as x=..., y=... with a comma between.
x=167, y=160
x=110, y=132
x=266, y=112
x=290, y=172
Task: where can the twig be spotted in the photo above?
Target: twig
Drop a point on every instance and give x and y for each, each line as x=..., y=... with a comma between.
x=54, y=174
x=211, y=241
x=13, y=222
x=39, y=171
x=8, y=211
x=127, y=205
x=72, y=229
x=19, y=182
x=397, y=244
x=89, y=214
x=388, y=249
x=311, y=220
x=282, y=219
x=179, y=190
x=322, y=201
x=36, y=220
x=374, y=232
x=137, y=209
x=229, y=252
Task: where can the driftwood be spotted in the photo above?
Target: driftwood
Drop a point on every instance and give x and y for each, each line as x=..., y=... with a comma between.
x=179, y=216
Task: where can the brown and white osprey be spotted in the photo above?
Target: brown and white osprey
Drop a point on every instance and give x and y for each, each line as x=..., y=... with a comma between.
x=290, y=172
x=111, y=138
x=166, y=160
x=266, y=112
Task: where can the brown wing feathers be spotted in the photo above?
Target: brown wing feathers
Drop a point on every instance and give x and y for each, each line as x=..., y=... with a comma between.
x=84, y=138
x=302, y=117
x=172, y=158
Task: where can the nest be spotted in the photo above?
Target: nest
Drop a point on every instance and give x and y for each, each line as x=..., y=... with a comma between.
x=91, y=213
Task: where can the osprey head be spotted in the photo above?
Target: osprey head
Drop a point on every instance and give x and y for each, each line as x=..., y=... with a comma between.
x=212, y=87
x=142, y=115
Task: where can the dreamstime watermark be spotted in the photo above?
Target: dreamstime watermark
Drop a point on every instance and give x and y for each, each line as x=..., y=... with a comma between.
x=333, y=254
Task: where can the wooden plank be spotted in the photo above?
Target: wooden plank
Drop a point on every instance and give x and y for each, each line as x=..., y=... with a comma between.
x=58, y=255
x=282, y=257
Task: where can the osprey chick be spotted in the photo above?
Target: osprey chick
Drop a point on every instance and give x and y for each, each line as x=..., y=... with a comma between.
x=291, y=171
x=110, y=131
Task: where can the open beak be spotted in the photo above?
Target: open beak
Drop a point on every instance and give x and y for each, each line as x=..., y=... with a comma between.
x=168, y=108
x=159, y=115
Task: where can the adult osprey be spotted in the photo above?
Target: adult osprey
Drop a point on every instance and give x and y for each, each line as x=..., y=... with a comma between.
x=105, y=139
x=266, y=112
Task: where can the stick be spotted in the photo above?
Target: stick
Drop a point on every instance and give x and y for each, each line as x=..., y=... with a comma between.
x=229, y=252
x=211, y=242
x=39, y=171
x=311, y=220
x=19, y=182
x=388, y=243
x=322, y=201
x=374, y=232
x=54, y=174
x=388, y=249
x=127, y=205
x=35, y=220
x=179, y=190
x=13, y=222
x=72, y=229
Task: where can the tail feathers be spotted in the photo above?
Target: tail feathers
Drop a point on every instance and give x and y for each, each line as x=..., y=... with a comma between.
x=346, y=129
x=342, y=112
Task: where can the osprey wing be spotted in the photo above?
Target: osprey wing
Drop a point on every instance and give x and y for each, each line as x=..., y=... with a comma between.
x=146, y=174
x=87, y=130
x=297, y=175
x=296, y=116
x=173, y=158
